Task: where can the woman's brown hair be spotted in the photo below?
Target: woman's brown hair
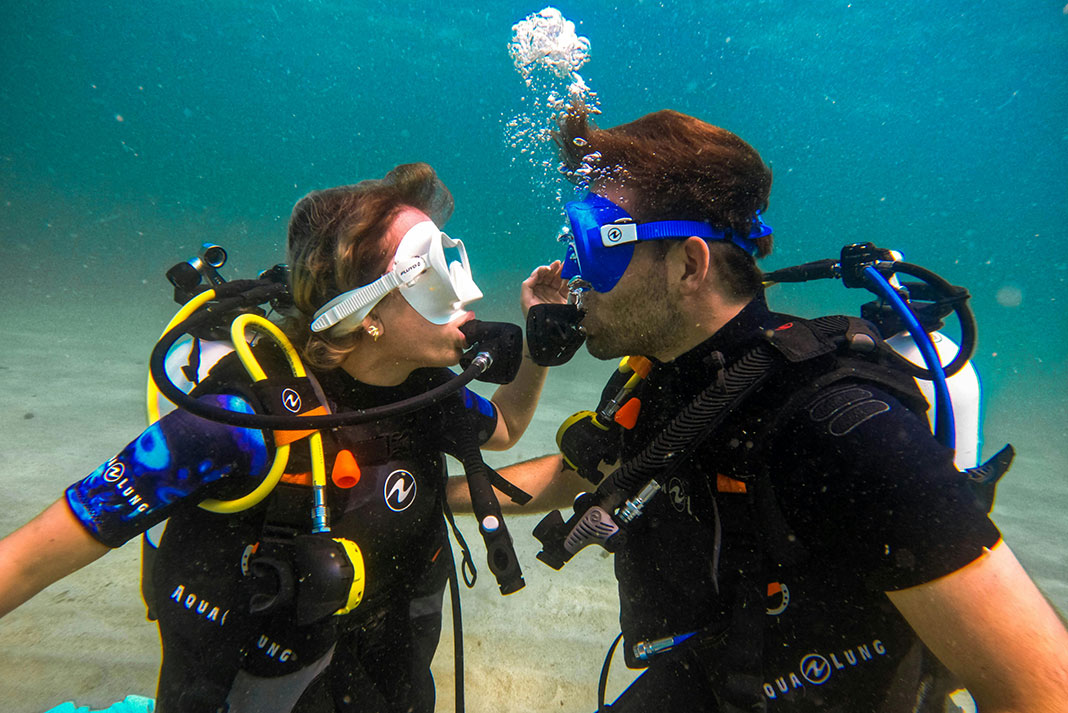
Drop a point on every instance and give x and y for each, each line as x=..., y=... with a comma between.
x=336, y=244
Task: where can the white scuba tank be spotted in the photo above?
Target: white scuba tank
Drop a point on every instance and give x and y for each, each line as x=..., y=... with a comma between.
x=964, y=392
x=210, y=353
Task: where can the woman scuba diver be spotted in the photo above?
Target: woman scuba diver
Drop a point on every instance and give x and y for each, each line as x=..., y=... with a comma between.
x=262, y=607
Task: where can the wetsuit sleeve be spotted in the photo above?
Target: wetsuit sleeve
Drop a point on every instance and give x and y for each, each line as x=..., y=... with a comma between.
x=181, y=458
x=868, y=490
x=483, y=413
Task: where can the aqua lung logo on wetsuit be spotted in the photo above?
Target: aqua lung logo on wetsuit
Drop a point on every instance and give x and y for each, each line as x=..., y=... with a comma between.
x=115, y=473
x=274, y=650
x=291, y=400
x=816, y=669
x=399, y=490
x=676, y=492
x=198, y=605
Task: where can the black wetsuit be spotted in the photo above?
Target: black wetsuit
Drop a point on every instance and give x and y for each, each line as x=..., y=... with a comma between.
x=850, y=497
x=215, y=653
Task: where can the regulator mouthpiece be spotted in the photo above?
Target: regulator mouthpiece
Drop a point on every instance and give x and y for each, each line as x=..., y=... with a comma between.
x=554, y=333
x=501, y=342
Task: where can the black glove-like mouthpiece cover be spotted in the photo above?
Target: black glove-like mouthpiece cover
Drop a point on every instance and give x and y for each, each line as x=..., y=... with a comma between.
x=504, y=342
x=553, y=333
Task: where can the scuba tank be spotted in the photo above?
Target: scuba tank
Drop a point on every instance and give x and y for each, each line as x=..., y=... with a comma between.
x=965, y=393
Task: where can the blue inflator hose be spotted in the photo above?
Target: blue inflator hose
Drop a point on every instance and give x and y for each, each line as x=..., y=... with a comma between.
x=944, y=428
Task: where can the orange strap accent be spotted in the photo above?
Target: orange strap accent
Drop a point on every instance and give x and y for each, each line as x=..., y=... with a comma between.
x=627, y=415
x=297, y=479
x=639, y=365
x=774, y=588
x=346, y=471
x=281, y=438
x=729, y=485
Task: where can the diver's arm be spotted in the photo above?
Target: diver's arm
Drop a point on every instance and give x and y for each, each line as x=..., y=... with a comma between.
x=516, y=401
x=515, y=404
x=551, y=486
x=991, y=626
x=44, y=550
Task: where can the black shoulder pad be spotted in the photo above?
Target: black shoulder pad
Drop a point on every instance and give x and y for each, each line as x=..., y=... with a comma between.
x=798, y=341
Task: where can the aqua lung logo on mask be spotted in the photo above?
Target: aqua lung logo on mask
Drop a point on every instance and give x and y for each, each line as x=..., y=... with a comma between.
x=815, y=669
x=399, y=490
x=291, y=400
x=618, y=234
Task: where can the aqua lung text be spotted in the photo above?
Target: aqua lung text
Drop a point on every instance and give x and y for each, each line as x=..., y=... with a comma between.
x=816, y=669
x=201, y=606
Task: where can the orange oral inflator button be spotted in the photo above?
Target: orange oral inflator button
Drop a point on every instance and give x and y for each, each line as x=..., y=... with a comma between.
x=346, y=472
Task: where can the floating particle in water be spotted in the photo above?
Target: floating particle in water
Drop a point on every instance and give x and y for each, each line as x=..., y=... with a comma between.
x=1009, y=296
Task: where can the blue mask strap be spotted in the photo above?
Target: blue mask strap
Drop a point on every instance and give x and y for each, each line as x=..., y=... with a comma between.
x=661, y=229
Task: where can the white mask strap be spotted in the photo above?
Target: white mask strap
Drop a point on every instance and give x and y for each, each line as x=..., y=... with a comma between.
x=357, y=303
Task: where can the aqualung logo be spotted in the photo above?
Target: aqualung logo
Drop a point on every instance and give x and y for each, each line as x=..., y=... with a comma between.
x=114, y=472
x=291, y=400
x=816, y=669
x=614, y=235
x=676, y=491
x=115, y=475
x=399, y=490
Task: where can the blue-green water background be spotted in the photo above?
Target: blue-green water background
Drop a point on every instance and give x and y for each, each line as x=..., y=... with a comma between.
x=131, y=132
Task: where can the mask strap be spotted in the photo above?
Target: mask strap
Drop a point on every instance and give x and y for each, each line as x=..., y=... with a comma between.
x=362, y=299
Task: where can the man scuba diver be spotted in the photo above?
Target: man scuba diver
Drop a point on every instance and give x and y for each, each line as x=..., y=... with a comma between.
x=788, y=535
x=305, y=555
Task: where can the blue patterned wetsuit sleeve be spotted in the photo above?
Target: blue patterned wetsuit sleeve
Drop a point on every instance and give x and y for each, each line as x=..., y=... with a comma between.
x=175, y=460
x=483, y=411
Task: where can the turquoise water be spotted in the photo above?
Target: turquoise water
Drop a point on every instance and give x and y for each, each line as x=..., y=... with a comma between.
x=132, y=132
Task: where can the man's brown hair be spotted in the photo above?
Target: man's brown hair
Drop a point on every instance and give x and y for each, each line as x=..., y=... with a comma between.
x=677, y=167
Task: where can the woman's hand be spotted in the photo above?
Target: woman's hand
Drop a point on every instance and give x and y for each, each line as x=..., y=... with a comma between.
x=544, y=286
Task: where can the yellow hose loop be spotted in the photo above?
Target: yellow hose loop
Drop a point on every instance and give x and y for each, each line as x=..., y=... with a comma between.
x=187, y=309
x=248, y=359
x=257, y=494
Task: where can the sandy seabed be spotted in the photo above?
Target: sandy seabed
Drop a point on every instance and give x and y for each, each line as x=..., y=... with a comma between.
x=72, y=376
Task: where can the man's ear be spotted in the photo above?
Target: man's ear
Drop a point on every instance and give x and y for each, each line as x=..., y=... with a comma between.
x=693, y=263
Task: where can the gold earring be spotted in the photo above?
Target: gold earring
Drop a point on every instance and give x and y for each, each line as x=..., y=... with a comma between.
x=374, y=331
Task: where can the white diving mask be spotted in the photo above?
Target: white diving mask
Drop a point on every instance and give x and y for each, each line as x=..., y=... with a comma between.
x=436, y=289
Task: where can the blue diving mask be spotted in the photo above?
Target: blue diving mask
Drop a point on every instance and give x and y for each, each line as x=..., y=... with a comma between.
x=603, y=236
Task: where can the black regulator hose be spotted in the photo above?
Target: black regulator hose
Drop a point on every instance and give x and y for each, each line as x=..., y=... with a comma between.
x=958, y=298
x=258, y=295
x=847, y=268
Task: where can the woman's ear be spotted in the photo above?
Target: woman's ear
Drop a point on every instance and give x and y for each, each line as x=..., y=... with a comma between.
x=372, y=326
